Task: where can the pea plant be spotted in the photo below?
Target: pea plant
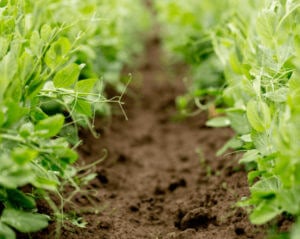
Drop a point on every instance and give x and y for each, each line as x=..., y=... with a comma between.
x=257, y=47
x=51, y=77
x=260, y=52
x=186, y=38
x=108, y=33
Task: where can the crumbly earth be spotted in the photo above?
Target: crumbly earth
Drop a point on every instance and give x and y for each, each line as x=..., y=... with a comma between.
x=161, y=178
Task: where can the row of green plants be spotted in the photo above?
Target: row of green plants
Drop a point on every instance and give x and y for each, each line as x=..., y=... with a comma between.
x=257, y=46
x=186, y=38
x=56, y=58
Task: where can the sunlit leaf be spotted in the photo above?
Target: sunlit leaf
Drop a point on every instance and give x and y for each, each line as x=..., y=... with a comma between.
x=259, y=115
x=57, y=53
x=85, y=86
x=24, y=221
x=218, y=122
x=264, y=212
x=67, y=76
x=50, y=127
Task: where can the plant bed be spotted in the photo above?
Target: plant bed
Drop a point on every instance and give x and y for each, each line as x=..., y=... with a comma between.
x=161, y=178
x=153, y=171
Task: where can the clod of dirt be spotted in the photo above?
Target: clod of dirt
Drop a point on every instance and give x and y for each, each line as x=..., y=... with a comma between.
x=134, y=208
x=184, y=158
x=105, y=224
x=178, y=183
x=122, y=158
x=159, y=190
x=102, y=177
x=196, y=218
x=239, y=215
x=285, y=222
x=110, y=179
x=239, y=230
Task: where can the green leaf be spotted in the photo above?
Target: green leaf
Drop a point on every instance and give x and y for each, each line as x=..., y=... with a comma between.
x=2, y=116
x=235, y=64
x=46, y=32
x=289, y=200
x=15, y=90
x=24, y=221
x=50, y=127
x=83, y=107
x=14, y=113
x=37, y=114
x=265, y=26
x=295, y=232
x=34, y=86
x=4, y=44
x=66, y=155
x=56, y=55
x=263, y=142
x=239, y=121
x=3, y=3
x=19, y=200
x=22, y=156
x=233, y=143
x=279, y=95
x=85, y=86
x=297, y=45
x=264, y=212
x=6, y=232
x=266, y=188
x=8, y=68
x=13, y=178
x=259, y=115
x=67, y=76
x=70, y=132
x=45, y=183
x=36, y=44
x=44, y=179
x=294, y=95
x=252, y=176
x=291, y=5
x=250, y=156
x=26, y=66
x=218, y=122
x=246, y=138
x=26, y=129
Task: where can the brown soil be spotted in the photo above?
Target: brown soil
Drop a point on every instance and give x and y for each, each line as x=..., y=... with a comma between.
x=161, y=178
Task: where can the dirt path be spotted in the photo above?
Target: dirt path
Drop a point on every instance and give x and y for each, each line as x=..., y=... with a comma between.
x=161, y=179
